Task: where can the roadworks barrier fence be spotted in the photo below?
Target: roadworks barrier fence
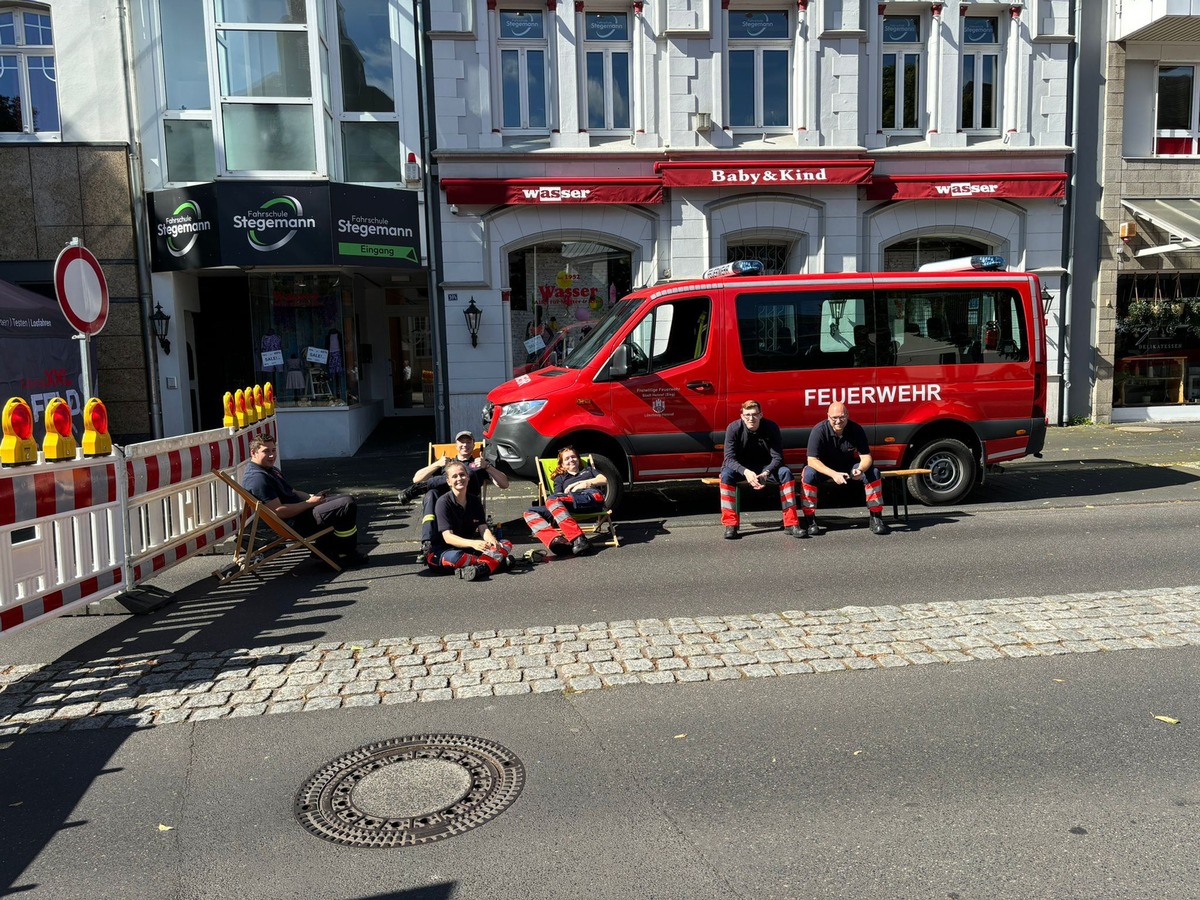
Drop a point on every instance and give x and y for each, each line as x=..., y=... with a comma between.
x=82, y=523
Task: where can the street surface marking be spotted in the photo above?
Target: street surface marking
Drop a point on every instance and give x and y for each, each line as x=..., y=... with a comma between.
x=139, y=691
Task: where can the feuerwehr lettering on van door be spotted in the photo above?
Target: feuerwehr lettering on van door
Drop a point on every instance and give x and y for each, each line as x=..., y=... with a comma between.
x=873, y=393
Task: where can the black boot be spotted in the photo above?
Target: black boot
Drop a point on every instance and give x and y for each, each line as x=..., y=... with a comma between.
x=580, y=546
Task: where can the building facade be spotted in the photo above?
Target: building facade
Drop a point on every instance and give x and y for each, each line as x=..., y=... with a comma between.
x=66, y=171
x=588, y=147
x=284, y=177
x=1147, y=336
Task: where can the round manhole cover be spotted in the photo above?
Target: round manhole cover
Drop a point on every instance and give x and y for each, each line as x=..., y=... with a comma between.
x=410, y=790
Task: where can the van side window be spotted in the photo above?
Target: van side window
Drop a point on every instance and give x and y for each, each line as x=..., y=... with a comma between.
x=818, y=329
x=669, y=335
x=956, y=327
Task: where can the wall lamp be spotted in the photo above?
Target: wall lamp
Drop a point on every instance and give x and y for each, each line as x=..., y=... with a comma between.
x=473, y=314
x=836, y=309
x=159, y=321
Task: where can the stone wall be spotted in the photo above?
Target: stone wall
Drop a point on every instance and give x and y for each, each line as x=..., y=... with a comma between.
x=54, y=192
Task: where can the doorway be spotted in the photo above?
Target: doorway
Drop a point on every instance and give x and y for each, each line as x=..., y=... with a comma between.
x=410, y=351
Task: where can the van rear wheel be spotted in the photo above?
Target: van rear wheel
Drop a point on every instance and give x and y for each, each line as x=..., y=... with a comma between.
x=615, y=489
x=953, y=472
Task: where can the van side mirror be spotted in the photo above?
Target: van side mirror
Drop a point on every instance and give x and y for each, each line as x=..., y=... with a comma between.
x=618, y=365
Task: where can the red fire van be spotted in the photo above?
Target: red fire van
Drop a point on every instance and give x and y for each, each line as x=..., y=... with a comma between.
x=945, y=369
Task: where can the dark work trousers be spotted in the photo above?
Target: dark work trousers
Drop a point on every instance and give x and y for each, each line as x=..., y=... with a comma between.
x=871, y=481
x=339, y=512
x=787, y=495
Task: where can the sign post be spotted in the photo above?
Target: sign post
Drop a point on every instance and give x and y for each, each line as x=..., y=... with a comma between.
x=82, y=295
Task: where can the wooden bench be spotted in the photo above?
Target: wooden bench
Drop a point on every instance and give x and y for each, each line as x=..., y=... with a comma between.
x=885, y=475
x=903, y=475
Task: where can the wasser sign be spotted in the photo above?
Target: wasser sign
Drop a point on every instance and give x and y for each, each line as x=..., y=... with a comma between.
x=269, y=224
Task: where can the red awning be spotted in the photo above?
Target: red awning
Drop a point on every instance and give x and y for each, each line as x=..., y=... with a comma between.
x=548, y=191
x=1011, y=185
x=764, y=173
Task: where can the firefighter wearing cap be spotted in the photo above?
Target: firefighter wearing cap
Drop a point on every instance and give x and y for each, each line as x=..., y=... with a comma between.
x=431, y=481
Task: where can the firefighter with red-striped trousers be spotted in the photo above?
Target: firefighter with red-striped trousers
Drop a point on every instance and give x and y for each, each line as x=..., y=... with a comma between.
x=754, y=451
x=838, y=451
x=577, y=488
x=463, y=542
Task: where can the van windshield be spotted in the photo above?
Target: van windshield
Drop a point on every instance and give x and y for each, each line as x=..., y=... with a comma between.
x=599, y=336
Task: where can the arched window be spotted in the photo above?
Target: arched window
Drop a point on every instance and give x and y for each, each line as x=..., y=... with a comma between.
x=910, y=254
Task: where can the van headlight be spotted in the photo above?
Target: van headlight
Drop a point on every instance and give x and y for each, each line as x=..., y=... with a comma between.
x=524, y=409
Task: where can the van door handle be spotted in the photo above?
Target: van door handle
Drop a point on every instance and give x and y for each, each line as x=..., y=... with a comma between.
x=700, y=385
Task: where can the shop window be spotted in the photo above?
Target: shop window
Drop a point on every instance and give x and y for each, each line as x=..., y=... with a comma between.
x=304, y=339
x=607, y=51
x=524, y=85
x=1176, y=129
x=760, y=66
x=980, y=73
x=1157, y=340
x=562, y=283
x=28, y=80
x=902, y=63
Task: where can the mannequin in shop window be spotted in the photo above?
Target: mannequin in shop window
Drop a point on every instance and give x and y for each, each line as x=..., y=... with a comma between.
x=272, y=342
x=295, y=378
x=335, y=367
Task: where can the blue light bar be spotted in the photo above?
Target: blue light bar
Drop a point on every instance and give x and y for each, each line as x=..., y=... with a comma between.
x=990, y=263
x=740, y=267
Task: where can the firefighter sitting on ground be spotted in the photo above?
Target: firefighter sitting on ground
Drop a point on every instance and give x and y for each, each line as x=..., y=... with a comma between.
x=575, y=488
x=463, y=542
x=431, y=481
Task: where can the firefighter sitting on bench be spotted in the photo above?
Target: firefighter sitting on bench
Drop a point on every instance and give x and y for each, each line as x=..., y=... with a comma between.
x=754, y=451
x=838, y=451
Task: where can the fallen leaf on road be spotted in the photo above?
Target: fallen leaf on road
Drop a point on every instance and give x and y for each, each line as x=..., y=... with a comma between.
x=678, y=736
x=355, y=649
x=857, y=752
x=1060, y=681
x=162, y=827
x=1167, y=719
x=18, y=803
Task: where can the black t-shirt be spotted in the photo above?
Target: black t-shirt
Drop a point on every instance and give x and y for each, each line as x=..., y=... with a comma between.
x=268, y=484
x=462, y=521
x=839, y=453
x=563, y=482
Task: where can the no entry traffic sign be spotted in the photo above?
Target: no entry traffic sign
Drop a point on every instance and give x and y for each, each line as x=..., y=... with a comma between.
x=81, y=289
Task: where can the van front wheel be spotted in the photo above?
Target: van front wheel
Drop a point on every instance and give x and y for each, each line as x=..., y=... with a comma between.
x=953, y=472
x=615, y=489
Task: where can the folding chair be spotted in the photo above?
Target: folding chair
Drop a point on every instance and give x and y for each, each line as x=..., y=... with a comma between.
x=600, y=522
x=279, y=537
x=437, y=451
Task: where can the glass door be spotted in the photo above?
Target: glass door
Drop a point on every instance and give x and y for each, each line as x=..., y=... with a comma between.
x=410, y=351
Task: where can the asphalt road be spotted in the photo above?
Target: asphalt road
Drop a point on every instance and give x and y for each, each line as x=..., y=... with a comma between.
x=1010, y=778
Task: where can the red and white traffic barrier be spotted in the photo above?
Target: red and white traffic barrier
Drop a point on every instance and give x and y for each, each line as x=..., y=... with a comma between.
x=176, y=506
x=62, y=539
x=77, y=531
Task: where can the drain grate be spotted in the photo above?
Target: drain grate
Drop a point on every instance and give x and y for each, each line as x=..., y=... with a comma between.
x=410, y=790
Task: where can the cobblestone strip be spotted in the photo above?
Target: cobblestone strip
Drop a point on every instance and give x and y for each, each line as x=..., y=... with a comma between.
x=137, y=691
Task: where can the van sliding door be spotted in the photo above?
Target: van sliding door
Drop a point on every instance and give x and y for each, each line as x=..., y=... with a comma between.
x=665, y=403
